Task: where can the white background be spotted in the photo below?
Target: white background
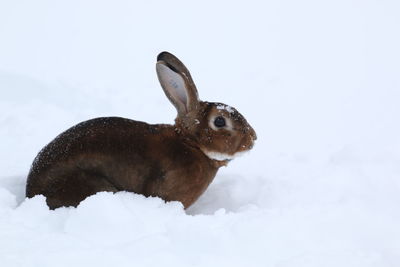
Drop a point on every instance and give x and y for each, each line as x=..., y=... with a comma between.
x=318, y=80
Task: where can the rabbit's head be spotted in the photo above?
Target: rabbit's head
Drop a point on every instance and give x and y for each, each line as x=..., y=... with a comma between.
x=219, y=130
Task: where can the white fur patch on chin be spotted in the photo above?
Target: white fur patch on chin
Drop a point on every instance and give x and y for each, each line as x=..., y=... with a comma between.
x=222, y=156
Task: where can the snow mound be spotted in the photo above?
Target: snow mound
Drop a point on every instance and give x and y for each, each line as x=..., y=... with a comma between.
x=338, y=215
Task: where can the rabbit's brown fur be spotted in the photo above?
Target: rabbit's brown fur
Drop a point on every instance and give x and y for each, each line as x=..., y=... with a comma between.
x=116, y=154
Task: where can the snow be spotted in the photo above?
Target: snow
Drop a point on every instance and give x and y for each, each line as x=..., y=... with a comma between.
x=225, y=107
x=318, y=81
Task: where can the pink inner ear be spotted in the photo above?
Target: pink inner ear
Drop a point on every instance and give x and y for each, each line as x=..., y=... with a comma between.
x=174, y=84
x=176, y=90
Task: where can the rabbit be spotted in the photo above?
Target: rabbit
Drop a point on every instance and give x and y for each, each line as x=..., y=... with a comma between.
x=174, y=162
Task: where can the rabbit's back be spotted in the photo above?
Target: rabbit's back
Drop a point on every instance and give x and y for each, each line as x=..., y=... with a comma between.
x=117, y=154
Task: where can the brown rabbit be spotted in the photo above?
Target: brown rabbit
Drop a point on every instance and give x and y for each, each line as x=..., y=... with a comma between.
x=173, y=162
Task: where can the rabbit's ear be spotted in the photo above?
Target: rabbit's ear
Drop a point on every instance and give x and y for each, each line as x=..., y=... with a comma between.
x=177, y=83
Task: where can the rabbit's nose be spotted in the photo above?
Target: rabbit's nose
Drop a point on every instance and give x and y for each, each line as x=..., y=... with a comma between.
x=250, y=131
x=254, y=135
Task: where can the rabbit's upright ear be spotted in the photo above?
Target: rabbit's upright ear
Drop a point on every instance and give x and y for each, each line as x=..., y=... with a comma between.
x=177, y=83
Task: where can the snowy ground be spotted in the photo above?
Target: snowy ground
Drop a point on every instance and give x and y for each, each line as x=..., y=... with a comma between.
x=318, y=80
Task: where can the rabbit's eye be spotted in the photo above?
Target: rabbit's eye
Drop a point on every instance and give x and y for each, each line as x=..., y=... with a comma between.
x=219, y=122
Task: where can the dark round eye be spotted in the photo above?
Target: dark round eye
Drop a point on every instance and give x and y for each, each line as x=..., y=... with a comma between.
x=219, y=122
